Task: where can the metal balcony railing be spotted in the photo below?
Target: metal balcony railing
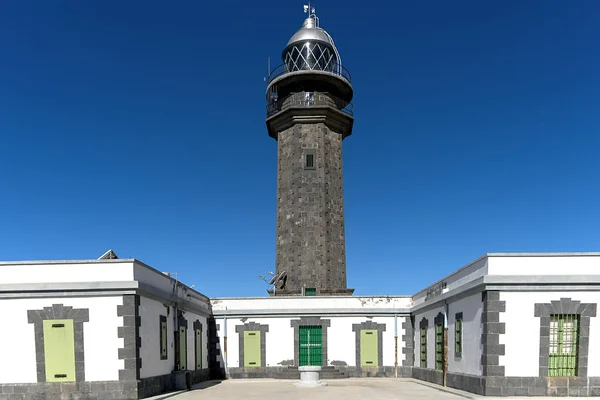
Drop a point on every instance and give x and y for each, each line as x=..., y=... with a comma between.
x=309, y=99
x=336, y=69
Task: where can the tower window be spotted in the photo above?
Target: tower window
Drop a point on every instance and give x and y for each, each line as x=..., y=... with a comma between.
x=310, y=161
x=310, y=291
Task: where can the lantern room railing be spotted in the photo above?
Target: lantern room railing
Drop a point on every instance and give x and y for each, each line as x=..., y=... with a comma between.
x=335, y=68
x=309, y=99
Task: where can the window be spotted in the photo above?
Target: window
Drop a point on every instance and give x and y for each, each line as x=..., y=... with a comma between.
x=310, y=291
x=458, y=335
x=564, y=341
x=198, y=345
x=163, y=337
x=423, y=347
x=310, y=161
x=439, y=346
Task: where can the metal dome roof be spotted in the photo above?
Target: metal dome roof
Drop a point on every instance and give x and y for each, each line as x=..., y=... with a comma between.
x=310, y=31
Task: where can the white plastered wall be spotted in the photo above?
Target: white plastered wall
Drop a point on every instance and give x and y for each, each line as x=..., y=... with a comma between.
x=340, y=337
x=150, y=312
x=191, y=340
x=430, y=315
x=100, y=338
x=522, y=337
x=470, y=360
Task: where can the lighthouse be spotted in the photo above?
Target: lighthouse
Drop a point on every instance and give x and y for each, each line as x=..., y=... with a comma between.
x=309, y=114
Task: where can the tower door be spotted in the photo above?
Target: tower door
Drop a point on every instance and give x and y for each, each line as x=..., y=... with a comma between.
x=311, y=345
x=368, y=348
x=59, y=350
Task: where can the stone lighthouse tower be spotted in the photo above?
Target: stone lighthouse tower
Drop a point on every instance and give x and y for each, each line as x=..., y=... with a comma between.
x=309, y=114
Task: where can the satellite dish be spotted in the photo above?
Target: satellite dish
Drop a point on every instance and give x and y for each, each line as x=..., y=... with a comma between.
x=277, y=279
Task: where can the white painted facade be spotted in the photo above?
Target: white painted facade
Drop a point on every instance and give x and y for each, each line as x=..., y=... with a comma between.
x=341, y=339
x=470, y=360
x=522, y=337
x=101, y=344
x=99, y=286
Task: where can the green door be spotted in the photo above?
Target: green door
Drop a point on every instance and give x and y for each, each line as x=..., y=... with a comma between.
x=182, y=347
x=59, y=350
x=368, y=348
x=311, y=345
x=198, y=345
x=252, y=349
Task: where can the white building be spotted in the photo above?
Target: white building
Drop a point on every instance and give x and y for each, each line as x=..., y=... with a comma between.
x=119, y=329
x=106, y=328
x=506, y=324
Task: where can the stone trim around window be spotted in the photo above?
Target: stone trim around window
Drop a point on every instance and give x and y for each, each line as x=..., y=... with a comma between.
x=59, y=311
x=492, y=328
x=253, y=326
x=565, y=306
x=369, y=325
x=312, y=321
x=130, y=333
x=458, y=316
x=409, y=342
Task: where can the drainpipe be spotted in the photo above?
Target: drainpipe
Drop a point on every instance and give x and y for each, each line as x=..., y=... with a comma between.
x=396, y=345
x=445, y=365
x=225, y=345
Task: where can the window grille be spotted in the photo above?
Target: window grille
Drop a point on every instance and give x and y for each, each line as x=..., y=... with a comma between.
x=439, y=347
x=564, y=345
x=423, y=347
x=458, y=337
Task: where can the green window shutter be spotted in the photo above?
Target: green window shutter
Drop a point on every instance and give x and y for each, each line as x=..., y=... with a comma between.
x=163, y=339
x=252, y=349
x=311, y=345
x=368, y=348
x=458, y=336
x=564, y=345
x=310, y=291
x=182, y=347
x=423, y=347
x=59, y=350
x=310, y=162
x=439, y=347
x=198, y=342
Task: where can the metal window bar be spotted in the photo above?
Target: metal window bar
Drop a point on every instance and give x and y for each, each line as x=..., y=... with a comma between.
x=564, y=345
x=439, y=347
x=458, y=336
x=423, y=347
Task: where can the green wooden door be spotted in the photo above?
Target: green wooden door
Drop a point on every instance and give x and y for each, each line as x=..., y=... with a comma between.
x=368, y=348
x=182, y=347
x=311, y=345
x=198, y=345
x=252, y=349
x=59, y=350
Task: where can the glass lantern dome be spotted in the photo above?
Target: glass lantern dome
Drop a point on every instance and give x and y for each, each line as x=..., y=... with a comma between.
x=311, y=48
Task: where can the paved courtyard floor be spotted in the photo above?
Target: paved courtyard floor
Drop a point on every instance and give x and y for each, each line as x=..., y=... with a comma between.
x=342, y=389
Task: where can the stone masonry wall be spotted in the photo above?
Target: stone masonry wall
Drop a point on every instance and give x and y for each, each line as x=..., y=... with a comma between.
x=310, y=210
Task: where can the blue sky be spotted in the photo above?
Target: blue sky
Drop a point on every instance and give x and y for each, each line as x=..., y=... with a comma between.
x=139, y=126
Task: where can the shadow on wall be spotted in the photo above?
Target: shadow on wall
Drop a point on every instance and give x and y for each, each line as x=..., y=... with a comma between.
x=217, y=370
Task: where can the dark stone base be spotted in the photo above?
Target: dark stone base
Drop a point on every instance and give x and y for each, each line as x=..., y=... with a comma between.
x=428, y=375
x=260, y=372
x=376, y=372
x=514, y=386
x=156, y=385
x=99, y=390
x=468, y=383
x=542, y=386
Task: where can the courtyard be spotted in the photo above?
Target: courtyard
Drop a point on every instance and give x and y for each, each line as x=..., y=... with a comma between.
x=347, y=389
